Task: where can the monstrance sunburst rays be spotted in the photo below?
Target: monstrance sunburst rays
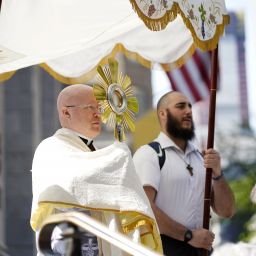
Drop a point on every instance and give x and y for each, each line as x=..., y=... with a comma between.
x=115, y=96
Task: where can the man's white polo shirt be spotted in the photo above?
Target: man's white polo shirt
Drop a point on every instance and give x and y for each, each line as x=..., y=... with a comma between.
x=179, y=195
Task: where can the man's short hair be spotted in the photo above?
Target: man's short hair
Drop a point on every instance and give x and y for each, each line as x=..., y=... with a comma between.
x=163, y=100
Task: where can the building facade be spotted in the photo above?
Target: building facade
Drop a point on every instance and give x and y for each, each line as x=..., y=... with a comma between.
x=28, y=114
x=2, y=178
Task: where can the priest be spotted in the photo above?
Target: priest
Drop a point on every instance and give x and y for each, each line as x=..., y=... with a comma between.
x=69, y=174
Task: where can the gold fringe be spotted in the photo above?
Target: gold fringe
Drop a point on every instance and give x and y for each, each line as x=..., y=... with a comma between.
x=210, y=44
x=83, y=78
x=89, y=75
x=6, y=76
x=129, y=54
x=203, y=45
x=181, y=61
x=69, y=80
x=170, y=15
x=156, y=24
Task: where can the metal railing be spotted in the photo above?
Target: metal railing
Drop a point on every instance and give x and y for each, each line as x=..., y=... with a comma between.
x=86, y=223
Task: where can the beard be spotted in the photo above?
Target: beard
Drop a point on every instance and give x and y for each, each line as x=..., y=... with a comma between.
x=174, y=128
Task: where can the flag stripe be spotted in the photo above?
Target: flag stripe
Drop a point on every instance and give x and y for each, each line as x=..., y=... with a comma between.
x=199, y=83
x=193, y=78
x=179, y=84
x=190, y=82
x=203, y=63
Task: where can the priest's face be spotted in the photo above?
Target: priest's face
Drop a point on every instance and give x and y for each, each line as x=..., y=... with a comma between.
x=85, y=115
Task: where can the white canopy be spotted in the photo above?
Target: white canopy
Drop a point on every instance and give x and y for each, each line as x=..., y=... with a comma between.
x=73, y=37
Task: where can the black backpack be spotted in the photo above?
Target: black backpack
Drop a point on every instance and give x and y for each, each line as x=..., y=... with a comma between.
x=160, y=152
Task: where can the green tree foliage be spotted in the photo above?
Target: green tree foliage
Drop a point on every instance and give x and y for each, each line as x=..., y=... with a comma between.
x=245, y=209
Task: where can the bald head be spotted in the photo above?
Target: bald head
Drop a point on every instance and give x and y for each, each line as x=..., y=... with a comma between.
x=163, y=101
x=71, y=94
x=167, y=98
x=73, y=110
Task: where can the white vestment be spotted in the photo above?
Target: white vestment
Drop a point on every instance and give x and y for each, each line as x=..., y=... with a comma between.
x=65, y=176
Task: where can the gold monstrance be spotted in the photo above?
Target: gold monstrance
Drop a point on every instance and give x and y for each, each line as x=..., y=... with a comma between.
x=114, y=93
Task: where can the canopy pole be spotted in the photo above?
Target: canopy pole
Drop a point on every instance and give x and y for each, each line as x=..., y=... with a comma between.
x=210, y=141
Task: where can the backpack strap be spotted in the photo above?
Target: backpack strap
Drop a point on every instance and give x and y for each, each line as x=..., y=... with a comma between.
x=160, y=152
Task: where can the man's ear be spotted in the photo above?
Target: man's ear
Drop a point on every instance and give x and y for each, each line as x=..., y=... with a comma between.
x=65, y=112
x=162, y=114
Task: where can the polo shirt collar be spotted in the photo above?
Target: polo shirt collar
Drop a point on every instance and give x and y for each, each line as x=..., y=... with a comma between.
x=167, y=142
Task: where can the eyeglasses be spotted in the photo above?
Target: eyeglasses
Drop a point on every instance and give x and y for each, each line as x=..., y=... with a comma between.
x=95, y=109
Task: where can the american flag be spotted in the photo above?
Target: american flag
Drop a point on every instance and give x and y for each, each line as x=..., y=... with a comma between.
x=193, y=78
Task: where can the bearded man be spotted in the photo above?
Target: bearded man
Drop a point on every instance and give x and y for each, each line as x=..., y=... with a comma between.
x=176, y=189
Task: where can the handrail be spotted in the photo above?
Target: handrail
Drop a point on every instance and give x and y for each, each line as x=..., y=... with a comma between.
x=87, y=223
